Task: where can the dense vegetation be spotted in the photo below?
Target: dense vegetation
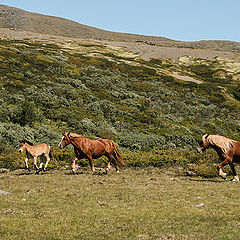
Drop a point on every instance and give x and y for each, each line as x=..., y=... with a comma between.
x=46, y=90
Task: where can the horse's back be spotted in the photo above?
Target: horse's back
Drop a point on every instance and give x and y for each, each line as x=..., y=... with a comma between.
x=41, y=148
x=109, y=145
x=91, y=147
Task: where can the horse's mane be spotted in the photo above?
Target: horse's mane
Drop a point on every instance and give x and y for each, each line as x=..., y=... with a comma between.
x=222, y=142
x=75, y=135
x=26, y=141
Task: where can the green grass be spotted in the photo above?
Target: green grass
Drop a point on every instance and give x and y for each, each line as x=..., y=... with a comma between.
x=150, y=203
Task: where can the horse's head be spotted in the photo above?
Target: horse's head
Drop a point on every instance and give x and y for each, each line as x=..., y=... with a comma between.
x=204, y=144
x=22, y=146
x=65, y=140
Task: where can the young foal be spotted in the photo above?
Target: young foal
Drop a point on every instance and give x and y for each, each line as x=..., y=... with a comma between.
x=227, y=149
x=91, y=149
x=33, y=151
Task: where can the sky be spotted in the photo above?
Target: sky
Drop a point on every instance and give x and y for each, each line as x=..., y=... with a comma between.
x=186, y=20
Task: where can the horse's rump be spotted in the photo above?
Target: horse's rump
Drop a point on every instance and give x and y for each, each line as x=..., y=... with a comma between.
x=112, y=147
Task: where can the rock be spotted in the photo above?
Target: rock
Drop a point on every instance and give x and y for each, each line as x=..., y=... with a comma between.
x=200, y=205
x=4, y=170
x=101, y=203
x=191, y=173
x=4, y=193
x=7, y=211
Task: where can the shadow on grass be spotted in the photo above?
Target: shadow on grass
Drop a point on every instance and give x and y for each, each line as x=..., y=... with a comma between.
x=87, y=173
x=31, y=173
x=207, y=180
x=24, y=173
x=76, y=173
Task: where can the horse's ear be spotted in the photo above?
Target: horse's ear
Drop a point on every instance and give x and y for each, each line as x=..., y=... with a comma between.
x=206, y=135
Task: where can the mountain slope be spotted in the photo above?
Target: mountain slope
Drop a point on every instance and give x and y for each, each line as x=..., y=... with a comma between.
x=14, y=18
x=22, y=20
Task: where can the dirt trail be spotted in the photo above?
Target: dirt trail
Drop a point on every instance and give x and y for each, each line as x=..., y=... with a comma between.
x=185, y=78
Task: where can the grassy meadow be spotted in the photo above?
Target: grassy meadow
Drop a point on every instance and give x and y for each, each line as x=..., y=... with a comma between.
x=149, y=203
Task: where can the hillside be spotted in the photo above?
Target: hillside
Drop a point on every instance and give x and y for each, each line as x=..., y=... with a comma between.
x=46, y=89
x=18, y=19
x=117, y=90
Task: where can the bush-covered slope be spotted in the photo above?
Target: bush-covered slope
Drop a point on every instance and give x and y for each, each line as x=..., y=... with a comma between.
x=45, y=90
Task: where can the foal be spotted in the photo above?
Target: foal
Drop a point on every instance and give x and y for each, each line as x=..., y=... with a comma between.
x=33, y=151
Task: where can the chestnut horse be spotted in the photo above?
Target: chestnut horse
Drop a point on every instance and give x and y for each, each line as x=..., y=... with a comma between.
x=92, y=149
x=33, y=151
x=227, y=149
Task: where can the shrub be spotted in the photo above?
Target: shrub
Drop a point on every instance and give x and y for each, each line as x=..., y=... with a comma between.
x=140, y=141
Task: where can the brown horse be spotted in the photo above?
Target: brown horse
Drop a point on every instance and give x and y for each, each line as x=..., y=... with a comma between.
x=33, y=151
x=92, y=149
x=227, y=149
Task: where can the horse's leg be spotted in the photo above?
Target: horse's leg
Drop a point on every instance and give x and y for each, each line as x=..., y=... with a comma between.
x=235, y=176
x=35, y=164
x=116, y=166
x=46, y=164
x=220, y=171
x=115, y=163
x=73, y=164
x=41, y=163
x=91, y=163
x=109, y=163
x=26, y=164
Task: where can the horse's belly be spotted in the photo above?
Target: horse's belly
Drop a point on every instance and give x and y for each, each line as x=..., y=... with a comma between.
x=236, y=159
x=97, y=155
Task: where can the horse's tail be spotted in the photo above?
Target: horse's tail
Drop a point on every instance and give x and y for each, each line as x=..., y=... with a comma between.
x=118, y=156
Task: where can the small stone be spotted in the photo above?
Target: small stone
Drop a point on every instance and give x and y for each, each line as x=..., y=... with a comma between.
x=100, y=203
x=191, y=173
x=4, y=193
x=200, y=205
x=7, y=211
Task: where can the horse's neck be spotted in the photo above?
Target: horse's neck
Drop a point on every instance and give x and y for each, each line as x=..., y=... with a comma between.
x=218, y=150
x=28, y=146
x=74, y=142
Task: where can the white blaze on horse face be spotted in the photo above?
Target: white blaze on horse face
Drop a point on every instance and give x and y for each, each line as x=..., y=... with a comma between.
x=199, y=150
x=21, y=149
x=60, y=144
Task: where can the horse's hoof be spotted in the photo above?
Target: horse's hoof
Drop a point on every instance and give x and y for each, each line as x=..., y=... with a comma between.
x=235, y=179
x=118, y=171
x=223, y=176
x=38, y=170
